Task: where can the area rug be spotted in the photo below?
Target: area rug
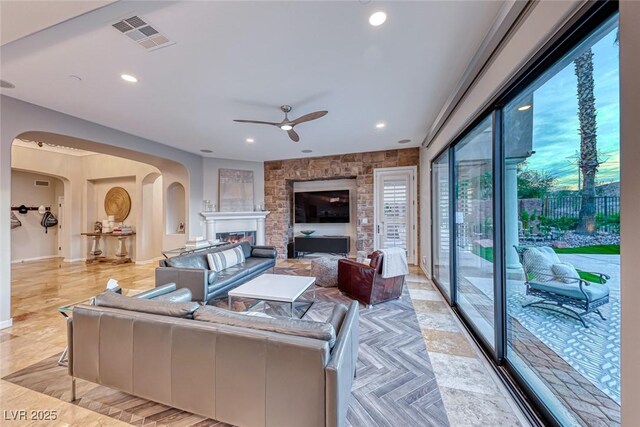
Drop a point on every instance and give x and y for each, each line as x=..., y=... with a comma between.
x=395, y=384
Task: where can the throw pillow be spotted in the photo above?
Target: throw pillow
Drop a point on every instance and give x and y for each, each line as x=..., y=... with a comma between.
x=566, y=273
x=218, y=261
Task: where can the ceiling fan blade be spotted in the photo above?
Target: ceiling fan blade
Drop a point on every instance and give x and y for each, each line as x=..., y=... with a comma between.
x=309, y=117
x=293, y=135
x=257, y=122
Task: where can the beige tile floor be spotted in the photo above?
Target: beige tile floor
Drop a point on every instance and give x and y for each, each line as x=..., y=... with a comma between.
x=472, y=395
x=471, y=392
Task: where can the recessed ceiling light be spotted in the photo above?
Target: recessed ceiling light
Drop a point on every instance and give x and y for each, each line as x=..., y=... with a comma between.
x=377, y=18
x=380, y=125
x=404, y=141
x=206, y=151
x=250, y=140
x=286, y=127
x=307, y=151
x=524, y=107
x=129, y=78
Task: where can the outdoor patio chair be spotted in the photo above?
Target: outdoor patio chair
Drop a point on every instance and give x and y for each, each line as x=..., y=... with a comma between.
x=559, y=284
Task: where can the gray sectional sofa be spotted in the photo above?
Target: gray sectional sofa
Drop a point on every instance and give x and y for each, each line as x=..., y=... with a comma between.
x=192, y=271
x=238, y=369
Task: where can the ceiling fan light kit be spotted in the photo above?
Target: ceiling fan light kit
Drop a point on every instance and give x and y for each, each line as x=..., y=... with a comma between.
x=286, y=124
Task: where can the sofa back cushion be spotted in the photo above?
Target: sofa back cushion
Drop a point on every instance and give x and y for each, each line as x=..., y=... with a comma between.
x=539, y=264
x=337, y=316
x=218, y=261
x=298, y=327
x=164, y=308
x=198, y=261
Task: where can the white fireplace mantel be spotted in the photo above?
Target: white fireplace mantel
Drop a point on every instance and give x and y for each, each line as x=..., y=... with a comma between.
x=236, y=221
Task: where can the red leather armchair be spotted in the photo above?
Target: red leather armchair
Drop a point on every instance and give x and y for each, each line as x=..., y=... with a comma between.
x=365, y=283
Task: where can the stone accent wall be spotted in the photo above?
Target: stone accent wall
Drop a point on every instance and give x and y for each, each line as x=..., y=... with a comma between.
x=279, y=176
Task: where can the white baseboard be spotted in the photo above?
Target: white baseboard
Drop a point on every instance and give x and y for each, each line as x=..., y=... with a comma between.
x=6, y=324
x=74, y=260
x=424, y=270
x=148, y=261
x=38, y=258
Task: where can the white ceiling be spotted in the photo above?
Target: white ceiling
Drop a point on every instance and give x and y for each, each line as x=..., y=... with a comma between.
x=242, y=60
x=20, y=18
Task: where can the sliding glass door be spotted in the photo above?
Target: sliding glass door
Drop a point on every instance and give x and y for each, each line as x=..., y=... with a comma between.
x=530, y=197
x=441, y=209
x=473, y=203
x=562, y=195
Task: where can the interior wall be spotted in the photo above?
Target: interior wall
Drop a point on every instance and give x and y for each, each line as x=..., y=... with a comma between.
x=630, y=205
x=331, y=229
x=543, y=20
x=88, y=178
x=280, y=175
x=29, y=242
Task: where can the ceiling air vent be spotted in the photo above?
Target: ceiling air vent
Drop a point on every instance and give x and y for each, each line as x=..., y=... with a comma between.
x=138, y=30
x=41, y=183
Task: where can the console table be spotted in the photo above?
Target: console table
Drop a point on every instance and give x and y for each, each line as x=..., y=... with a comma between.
x=121, y=253
x=328, y=244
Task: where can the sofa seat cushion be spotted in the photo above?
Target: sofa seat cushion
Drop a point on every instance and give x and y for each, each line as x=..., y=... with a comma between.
x=152, y=306
x=198, y=261
x=233, y=274
x=595, y=291
x=297, y=327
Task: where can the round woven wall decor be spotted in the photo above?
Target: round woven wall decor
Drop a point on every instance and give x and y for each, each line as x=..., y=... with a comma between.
x=117, y=203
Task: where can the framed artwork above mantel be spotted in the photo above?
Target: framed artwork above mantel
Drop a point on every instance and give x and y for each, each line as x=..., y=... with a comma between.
x=235, y=190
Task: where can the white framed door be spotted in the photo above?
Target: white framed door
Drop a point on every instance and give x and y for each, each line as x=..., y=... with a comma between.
x=395, y=210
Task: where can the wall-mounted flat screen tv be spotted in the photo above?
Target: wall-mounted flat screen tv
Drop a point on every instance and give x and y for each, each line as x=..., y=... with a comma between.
x=317, y=207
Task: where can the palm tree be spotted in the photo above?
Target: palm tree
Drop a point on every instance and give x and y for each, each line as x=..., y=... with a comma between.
x=588, y=141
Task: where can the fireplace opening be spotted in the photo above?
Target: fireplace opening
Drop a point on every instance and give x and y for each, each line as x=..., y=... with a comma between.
x=237, y=237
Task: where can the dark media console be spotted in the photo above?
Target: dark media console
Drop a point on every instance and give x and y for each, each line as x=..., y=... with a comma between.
x=328, y=244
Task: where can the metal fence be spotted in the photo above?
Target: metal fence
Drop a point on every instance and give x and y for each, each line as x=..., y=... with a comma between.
x=557, y=207
x=561, y=210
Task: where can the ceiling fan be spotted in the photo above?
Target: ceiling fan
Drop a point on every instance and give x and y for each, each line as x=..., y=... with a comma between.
x=288, y=124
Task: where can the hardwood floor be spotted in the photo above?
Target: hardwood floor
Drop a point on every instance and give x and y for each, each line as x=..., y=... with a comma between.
x=471, y=395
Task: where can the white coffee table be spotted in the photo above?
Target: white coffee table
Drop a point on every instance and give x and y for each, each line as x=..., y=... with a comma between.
x=276, y=288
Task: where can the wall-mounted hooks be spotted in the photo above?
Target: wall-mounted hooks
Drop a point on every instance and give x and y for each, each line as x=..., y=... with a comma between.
x=24, y=209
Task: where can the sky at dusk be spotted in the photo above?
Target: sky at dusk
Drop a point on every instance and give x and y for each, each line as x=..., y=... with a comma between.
x=556, y=139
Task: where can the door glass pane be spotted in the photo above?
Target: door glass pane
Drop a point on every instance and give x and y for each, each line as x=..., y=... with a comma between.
x=474, y=228
x=395, y=210
x=441, y=236
x=562, y=212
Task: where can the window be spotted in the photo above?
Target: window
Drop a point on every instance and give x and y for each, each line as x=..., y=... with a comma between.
x=441, y=207
x=562, y=194
x=473, y=177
